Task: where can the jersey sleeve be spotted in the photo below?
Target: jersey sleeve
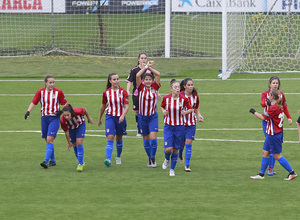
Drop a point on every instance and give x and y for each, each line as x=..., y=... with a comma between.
x=62, y=98
x=263, y=99
x=80, y=111
x=163, y=103
x=104, y=98
x=37, y=97
x=270, y=113
x=155, y=85
x=131, y=77
x=197, y=102
x=186, y=103
x=125, y=97
x=286, y=110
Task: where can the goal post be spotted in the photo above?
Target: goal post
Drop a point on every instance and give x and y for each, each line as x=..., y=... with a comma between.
x=264, y=38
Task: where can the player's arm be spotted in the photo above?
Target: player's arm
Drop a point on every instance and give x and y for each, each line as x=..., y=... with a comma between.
x=154, y=71
x=30, y=108
x=199, y=116
x=139, y=75
x=67, y=134
x=90, y=120
x=121, y=119
x=102, y=109
x=128, y=87
x=258, y=115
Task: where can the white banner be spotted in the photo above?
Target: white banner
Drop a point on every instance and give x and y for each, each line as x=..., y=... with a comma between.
x=32, y=6
x=235, y=5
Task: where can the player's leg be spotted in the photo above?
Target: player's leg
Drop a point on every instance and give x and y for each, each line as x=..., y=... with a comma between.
x=153, y=128
x=190, y=132
x=110, y=128
x=120, y=131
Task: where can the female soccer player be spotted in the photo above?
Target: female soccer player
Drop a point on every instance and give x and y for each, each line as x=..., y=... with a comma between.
x=274, y=135
x=131, y=79
x=188, y=90
x=274, y=83
x=173, y=108
x=148, y=117
x=73, y=124
x=50, y=98
x=115, y=102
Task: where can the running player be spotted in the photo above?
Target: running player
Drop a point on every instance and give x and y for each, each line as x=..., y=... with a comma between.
x=73, y=124
x=188, y=90
x=274, y=135
x=148, y=117
x=115, y=102
x=50, y=98
x=173, y=106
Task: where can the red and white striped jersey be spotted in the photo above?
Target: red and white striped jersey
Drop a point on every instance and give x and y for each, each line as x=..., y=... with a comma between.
x=75, y=122
x=274, y=117
x=191, y=119
x=148, y=99
x=115, y=101
x=50, y=101
x=174, y=107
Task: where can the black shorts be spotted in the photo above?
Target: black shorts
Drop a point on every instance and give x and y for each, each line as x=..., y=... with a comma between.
x=135, y=101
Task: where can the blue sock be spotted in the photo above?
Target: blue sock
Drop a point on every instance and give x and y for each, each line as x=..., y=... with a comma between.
x=49, y=150
x=286, y=165
x=264, y=164
x=119, y=145
x=80, y=154
x=147, y=147
x=153, y=144
x=188, y=154
x=75, y=151
x=109, y=149
x=52, y=156
x=167, y=155
x=174, y=158
x=272, y=161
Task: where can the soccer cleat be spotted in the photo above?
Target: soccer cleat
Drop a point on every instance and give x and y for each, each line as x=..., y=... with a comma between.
x=153, y=163
x=172, y=172
x=187, y=168
x=107, y=162
x=292, y=175
x=44, y=164
x=271, y=172
x=149, y=163
x=118, y=160
x=257, y=177
x=80, y=167
x=165, y=164
x=52, y=164
x=181, y=159
x=138, y=134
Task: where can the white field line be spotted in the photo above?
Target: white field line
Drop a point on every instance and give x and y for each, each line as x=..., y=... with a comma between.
x=196, y=139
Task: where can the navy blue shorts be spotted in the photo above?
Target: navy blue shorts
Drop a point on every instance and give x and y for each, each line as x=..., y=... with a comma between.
x=112, y=126
x=77, y=132
x=147, y=124
x=273, y=143
x=50, y=125
x=173, y=136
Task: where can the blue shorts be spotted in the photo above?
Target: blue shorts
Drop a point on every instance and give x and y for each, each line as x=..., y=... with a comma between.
x=147, y=124
x=264, y=126
x=273, y=143
x=50, y=125
x=77, y=132
x=190, y=132
x=173, y=136
x=112, y=126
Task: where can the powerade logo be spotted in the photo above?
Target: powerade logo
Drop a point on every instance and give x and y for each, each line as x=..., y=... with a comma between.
x=88, y=3
x=182, y=2
x=146, y=4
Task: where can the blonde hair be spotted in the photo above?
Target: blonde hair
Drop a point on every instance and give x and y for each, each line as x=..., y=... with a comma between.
x=277, y=96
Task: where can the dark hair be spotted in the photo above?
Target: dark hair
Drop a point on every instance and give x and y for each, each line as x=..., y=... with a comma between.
x=108, y=85
x=184, y=82
x=172, y=82
x=140, y=56
x=272, y=78
x=48, y=77
x=277, y=96
x=148, y=74
x=69, y=108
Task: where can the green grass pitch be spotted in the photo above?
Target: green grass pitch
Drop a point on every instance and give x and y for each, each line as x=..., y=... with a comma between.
x=227, y=150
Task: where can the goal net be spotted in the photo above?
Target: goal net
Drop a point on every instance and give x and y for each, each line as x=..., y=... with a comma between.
x=264, y=37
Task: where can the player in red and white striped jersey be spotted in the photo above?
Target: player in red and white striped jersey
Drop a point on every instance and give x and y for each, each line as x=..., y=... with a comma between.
x=73, y=123
x=148, y=117
x=188, y=90
x=274, y=83
x=173, y=107
x=115, y=103
x=50, y=98
x=274, y=135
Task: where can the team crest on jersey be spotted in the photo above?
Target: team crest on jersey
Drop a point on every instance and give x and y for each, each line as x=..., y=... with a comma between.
x=54, y=96
x=152, y=90
x=120, y=95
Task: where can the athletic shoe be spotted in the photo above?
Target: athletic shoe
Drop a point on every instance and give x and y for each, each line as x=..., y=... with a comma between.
x=44, y=164
x=172, y=172
x=257, y=177
x=149, y=163
x=153, y=163
x=138, y=134
x=51, y=164
x=187, y=168
x=292, y=175
x=181, y=159
x=107, y=162
x=118, y=160
x=165, y=164
x=80, y=167
x=271, y=172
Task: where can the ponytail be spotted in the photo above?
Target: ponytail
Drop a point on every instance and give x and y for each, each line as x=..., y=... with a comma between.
x=277, y=96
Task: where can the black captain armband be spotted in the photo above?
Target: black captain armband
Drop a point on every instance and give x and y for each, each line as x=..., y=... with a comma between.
x=252, y=110
x=268, y=102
